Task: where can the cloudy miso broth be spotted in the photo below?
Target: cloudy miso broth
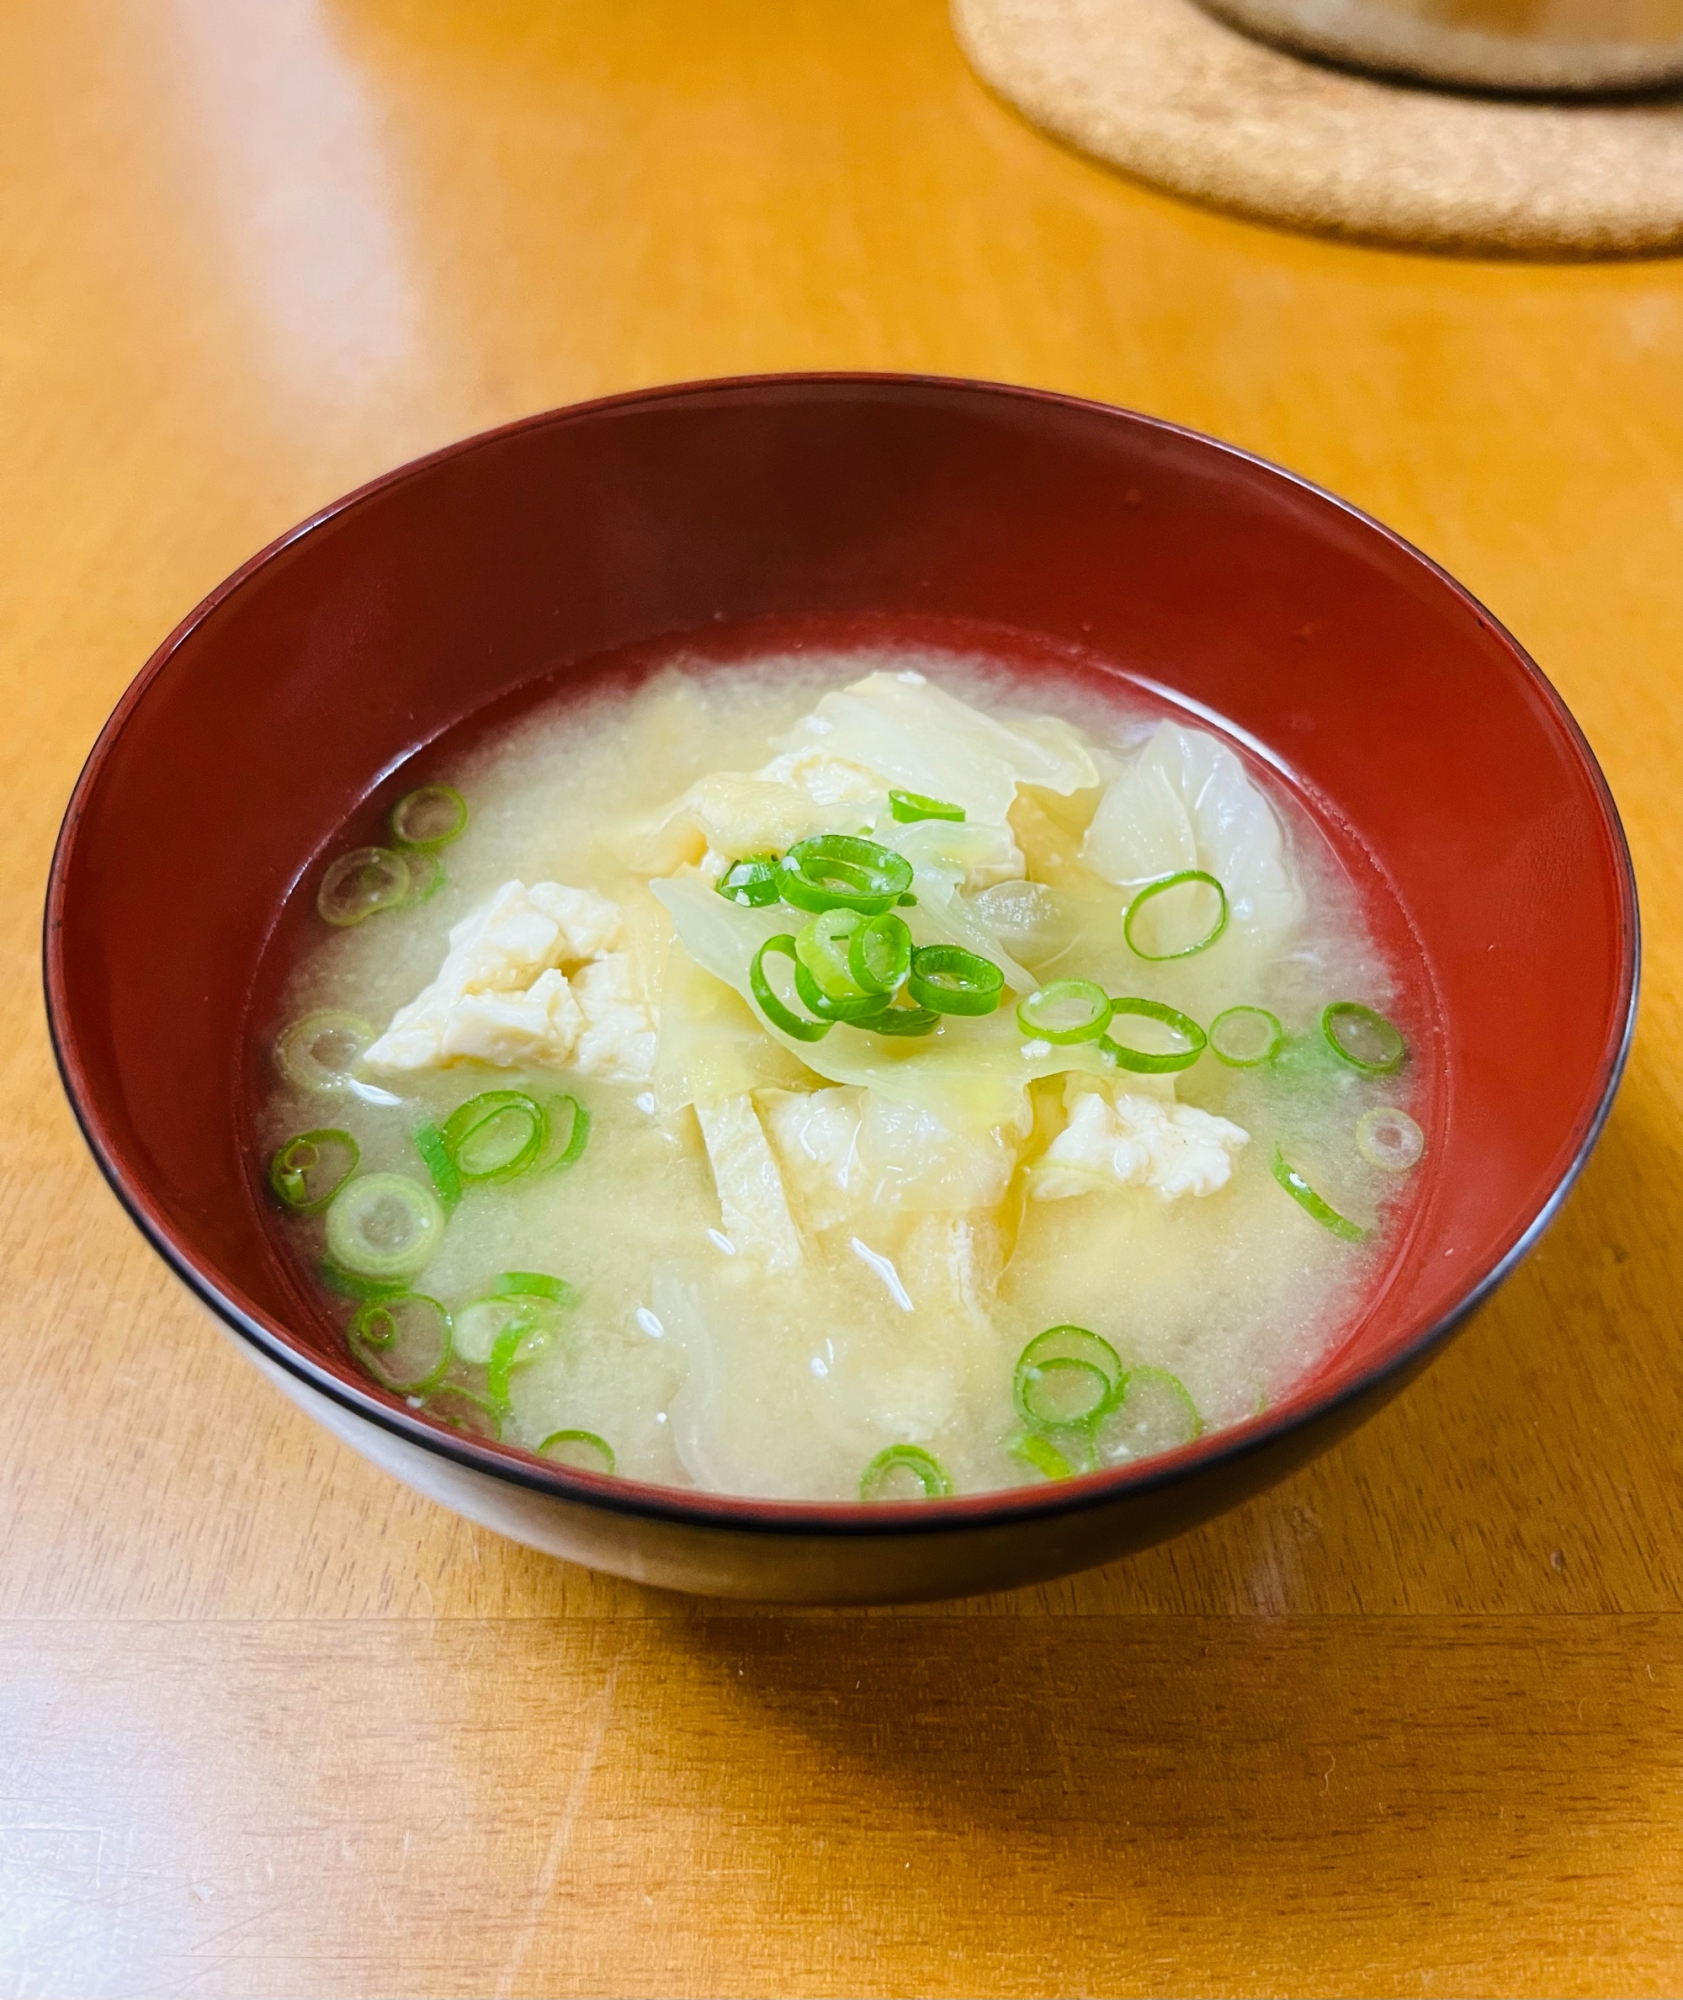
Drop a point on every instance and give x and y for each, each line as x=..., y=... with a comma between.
x=850, y=1073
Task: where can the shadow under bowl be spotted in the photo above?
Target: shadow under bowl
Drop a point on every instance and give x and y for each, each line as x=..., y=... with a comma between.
x=1428, y=746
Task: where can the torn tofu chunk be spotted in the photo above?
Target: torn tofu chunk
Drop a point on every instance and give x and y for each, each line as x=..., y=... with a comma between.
x=531, y=977
x=1137, y=1141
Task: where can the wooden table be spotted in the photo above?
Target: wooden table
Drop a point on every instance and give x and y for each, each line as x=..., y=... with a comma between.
x=1409, y=1724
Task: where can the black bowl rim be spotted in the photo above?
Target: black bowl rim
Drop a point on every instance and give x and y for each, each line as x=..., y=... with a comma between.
x=828, y=1519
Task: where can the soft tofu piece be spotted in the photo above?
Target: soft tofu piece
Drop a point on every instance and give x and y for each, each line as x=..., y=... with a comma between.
x=1137, y=1141
x=753, y=1208
x=502, y=995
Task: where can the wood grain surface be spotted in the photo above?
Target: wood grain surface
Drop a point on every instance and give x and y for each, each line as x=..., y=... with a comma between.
x=271, y=1726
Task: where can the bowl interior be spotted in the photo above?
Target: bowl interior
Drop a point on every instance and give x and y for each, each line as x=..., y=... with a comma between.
x=1061, y=533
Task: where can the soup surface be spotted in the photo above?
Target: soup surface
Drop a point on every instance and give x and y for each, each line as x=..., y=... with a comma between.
x=850, y=1075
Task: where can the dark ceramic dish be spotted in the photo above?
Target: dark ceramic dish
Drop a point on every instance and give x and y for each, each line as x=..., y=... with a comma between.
x=1434, y=753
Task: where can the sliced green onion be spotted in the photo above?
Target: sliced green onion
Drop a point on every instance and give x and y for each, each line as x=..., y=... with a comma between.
x=533, y=1285
x=1044, y=1457
x=1151, y=1412
x=383, y=1226
x=462, y=1410
x=783, y=945
x=349, y=1286
x=1154, y=1062
x=309, y=1170
x=904, y=1472
x=517, y=1346
x=435, y=1155
x=495, y=1136
x=580, y=1451
x=950, y=980
x=843, y=871
x=321, y=1051
x=860, y=1010
x=1245, y=1037
x=910, y=806
x=1188, y=877
x=1074, y=1343
x=426, y=876
x=432, y=816
x=1060, y=1393
x=879, y=953
x=403, y=1342
x=1065, y=1012
x=751, y=882
x=821, y=949
x=1313, y=1204
x=1366, y=1040
x=901, y=1021
x=564, y=1114
x=907, y=901
x=1389, y=1138
x=360, y=884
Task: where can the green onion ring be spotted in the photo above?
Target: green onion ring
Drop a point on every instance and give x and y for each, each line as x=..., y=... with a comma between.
x=470, y=1129
x=1060, y=1393
x=913, y=1021
x=426, y=875
x=821, y=948
x=1080, y=1003
x=1234, y=1037
x=950, y=980
x=517, y=1346
x=1074, y=1343
x=879, y=953
x=1384, y=1039
x=361, y=1235
x=861, y=1009
x=533, y=1285
x=751, y=882
x=431, y=816
x=1147, y=1379
x=436, y=1157
x=781, y=1017
x=362, y=883
x=586, y=1446
x=1387, y=1137
x=843, y=871
x=1313, y=1204
x=578, y=1134
x=908, y=807
x=1034, y=1450
x=292, y=1169
x=298, y=1050
x=404, y=1341
x=1154, y=889
x=349, y=1286
x=912, y=1458
x=1139, y=1060
x=462, y=1410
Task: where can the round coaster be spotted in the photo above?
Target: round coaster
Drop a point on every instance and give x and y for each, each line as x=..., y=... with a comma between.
x=1169, y=93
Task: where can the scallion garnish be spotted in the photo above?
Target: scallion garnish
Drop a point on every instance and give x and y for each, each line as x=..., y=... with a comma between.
x=904, y=1472
x=896, y=1020
x=1065, y=1378
x=947, y=979
x=1065, y=1012
x=517, y=1346
x=1364, y=1039
x=879, y=953
x=860, y=1009
x=462, y=1410
x=309, y=1170
x=1044, y=1456
x=349, y=1286
x=321, y=1051
x=426, y=875
x=821, y=950
x=432, y=816
x=383, y=1226
x=1150, y=1412
x=843, y=871
x=1155, y=1062
x=533, y=1285
x=435, y=1155
x=1245, y=1037
x=360, y=884
x=780, y=1016
x=495, y=1136
x=1387, y=1137
x=580, y=1451
x=908, y=807
x=1188, y=878
x=752, y=882
x=403, y=1341
x=1314, y=1204
x=565, y=1114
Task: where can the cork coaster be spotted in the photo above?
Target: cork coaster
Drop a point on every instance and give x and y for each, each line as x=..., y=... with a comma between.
x=1169, y=93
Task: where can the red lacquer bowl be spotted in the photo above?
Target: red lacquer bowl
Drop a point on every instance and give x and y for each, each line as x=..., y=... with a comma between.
x=1062, y=533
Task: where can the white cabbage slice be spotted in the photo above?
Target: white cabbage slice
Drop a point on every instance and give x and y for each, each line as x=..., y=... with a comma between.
x=1185, y=802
